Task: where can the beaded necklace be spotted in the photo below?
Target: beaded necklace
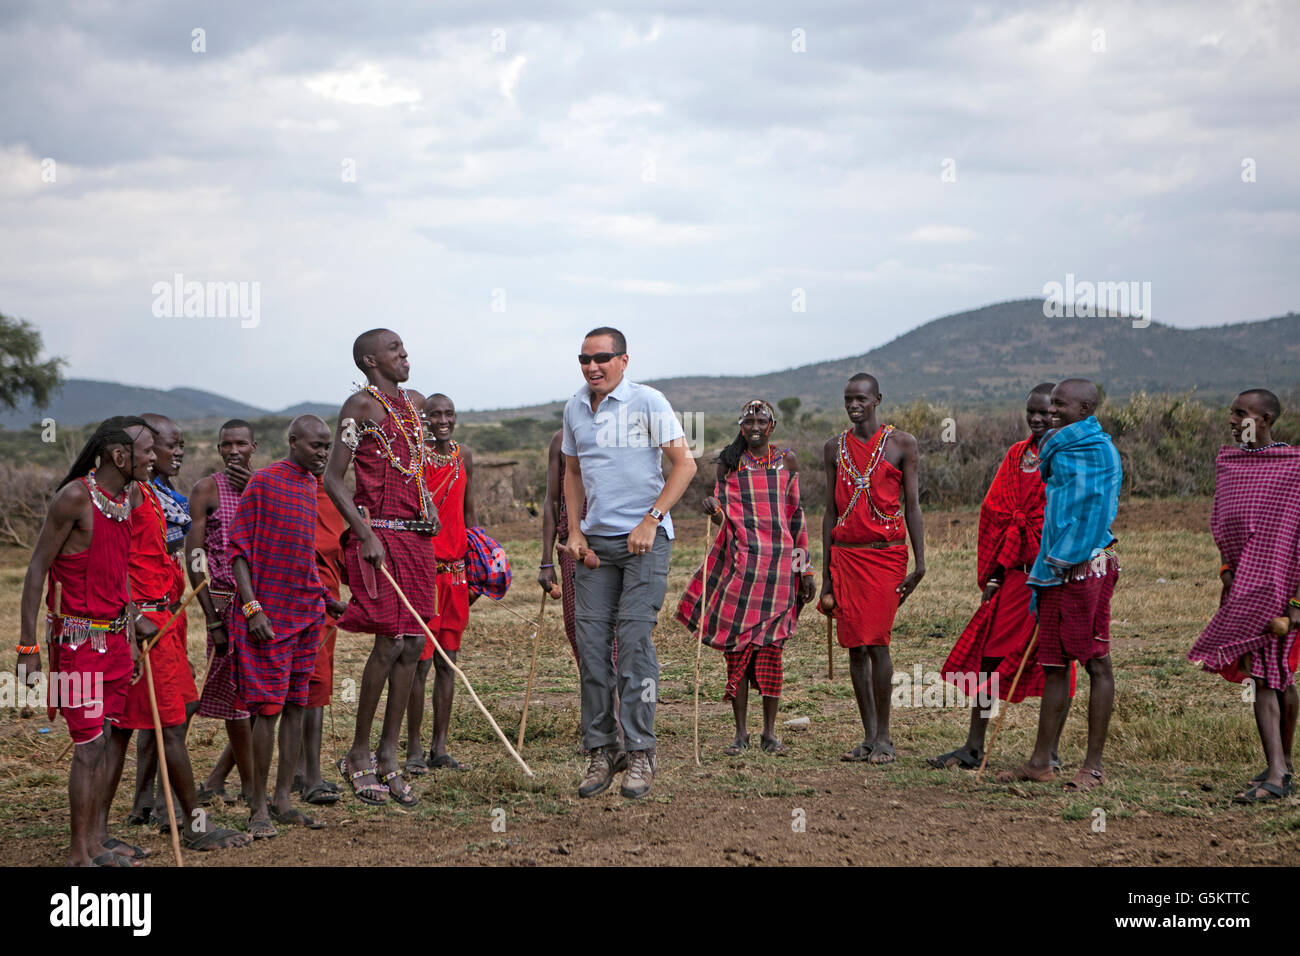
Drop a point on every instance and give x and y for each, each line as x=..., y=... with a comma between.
x=1272, y=444
x=860, y=481
x=115, y=510
x=417, y=454
x=452, y=458
x=758, y=464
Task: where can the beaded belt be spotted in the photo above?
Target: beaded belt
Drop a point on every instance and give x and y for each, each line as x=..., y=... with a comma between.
x=413, y=525
x=451, y=567
x=220, y=599
x=74, y=631
x=152, y=607
x=870, y=544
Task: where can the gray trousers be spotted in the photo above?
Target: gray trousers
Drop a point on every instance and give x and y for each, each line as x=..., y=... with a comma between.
x=625, y=592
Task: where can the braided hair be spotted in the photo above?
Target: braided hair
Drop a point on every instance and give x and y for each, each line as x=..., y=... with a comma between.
x=729, y=457
x=111, y=431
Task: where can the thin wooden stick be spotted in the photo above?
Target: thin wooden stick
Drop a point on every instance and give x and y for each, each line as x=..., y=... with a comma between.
x=704, y=610
x=207, y=669
x=830, y=647
x=459, y=673
x=162, y=762
x=144, y=651
x=528, y=694
x=1002, y=711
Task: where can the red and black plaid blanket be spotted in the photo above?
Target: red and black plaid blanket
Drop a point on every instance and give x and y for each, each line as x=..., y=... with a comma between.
x=754, y=565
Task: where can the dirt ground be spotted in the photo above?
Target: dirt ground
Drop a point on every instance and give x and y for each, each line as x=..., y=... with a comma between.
x=1182, y=743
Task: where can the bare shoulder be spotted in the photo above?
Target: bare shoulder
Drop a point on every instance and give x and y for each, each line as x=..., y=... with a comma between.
x=556, y=441
x=831, y=447
x=467, y=456
x=359, y=405
x=415, y=398
x=905, y=440
x=789, y=460
x=70, y=500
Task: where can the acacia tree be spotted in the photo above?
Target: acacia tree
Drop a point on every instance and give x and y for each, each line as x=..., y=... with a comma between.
x=21, y=372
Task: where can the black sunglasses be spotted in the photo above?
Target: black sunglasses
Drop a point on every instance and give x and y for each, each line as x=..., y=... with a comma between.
x=599, y=357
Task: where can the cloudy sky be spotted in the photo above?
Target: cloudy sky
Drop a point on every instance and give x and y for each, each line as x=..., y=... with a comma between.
x=491, y=180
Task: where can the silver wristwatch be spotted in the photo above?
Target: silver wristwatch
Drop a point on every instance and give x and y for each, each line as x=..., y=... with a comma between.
x=656, y=514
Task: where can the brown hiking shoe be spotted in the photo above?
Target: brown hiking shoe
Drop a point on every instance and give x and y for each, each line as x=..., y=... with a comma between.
x=605, y=762
x=640, y=774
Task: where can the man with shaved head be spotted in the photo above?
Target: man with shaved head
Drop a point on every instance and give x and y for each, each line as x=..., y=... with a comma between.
x=275, y=634
x=1074, y=577
x=1256, y=525
x=391, y=520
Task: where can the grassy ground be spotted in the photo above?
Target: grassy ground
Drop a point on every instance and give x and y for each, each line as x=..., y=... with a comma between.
x=1181, y=744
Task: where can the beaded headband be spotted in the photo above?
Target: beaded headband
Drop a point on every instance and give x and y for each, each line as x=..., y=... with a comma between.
x=757, y=405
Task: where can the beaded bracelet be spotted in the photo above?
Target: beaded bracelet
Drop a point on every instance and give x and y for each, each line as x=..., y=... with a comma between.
x=1223, y=568
x=540, y=567
x=213, y=625
x=251, y=608
x=1293, y=603
x=29, y=649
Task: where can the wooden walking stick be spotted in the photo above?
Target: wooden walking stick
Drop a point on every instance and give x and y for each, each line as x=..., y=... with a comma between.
x=830, y=647
x=528, y=694
x=459, y=673
x=704, y=610
x=162, y=762
x=1002, y=711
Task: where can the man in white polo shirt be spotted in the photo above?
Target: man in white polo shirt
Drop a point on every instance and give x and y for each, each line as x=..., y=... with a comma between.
x=615, y=433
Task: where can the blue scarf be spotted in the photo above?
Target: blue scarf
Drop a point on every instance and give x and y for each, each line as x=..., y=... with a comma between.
x=176, y=509
x=1082, y=471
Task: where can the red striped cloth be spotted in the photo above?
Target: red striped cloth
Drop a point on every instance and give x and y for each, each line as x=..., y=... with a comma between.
x=1256, y=524
x=754, y=565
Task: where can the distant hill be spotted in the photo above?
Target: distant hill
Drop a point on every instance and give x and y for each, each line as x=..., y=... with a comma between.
x=999, y=352
x=83, y=401
x=992, y=354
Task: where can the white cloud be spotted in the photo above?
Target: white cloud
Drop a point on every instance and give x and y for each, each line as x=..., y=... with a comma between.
x=941, y=234
x=365, y=85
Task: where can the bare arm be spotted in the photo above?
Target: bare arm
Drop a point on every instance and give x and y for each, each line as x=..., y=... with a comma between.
x=679, y=479
x=574, y=496
x=711, y=505
x=359, y=408
x=67, y=507
x=912, y=515
x=203, y=501
x=832, y=514
x=471, y=512
x=259, y=626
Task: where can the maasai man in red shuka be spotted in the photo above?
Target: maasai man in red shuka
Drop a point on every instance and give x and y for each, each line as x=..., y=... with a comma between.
x=83, y=546
x=1256, y=524
x=157, y=584
x=759, y=575
x=391, y=521
x=282, y=609
x=448, y=476
x=169, y=452
x=988, y=654
x=330, y=528
x=213, y=501
x=870, y=470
